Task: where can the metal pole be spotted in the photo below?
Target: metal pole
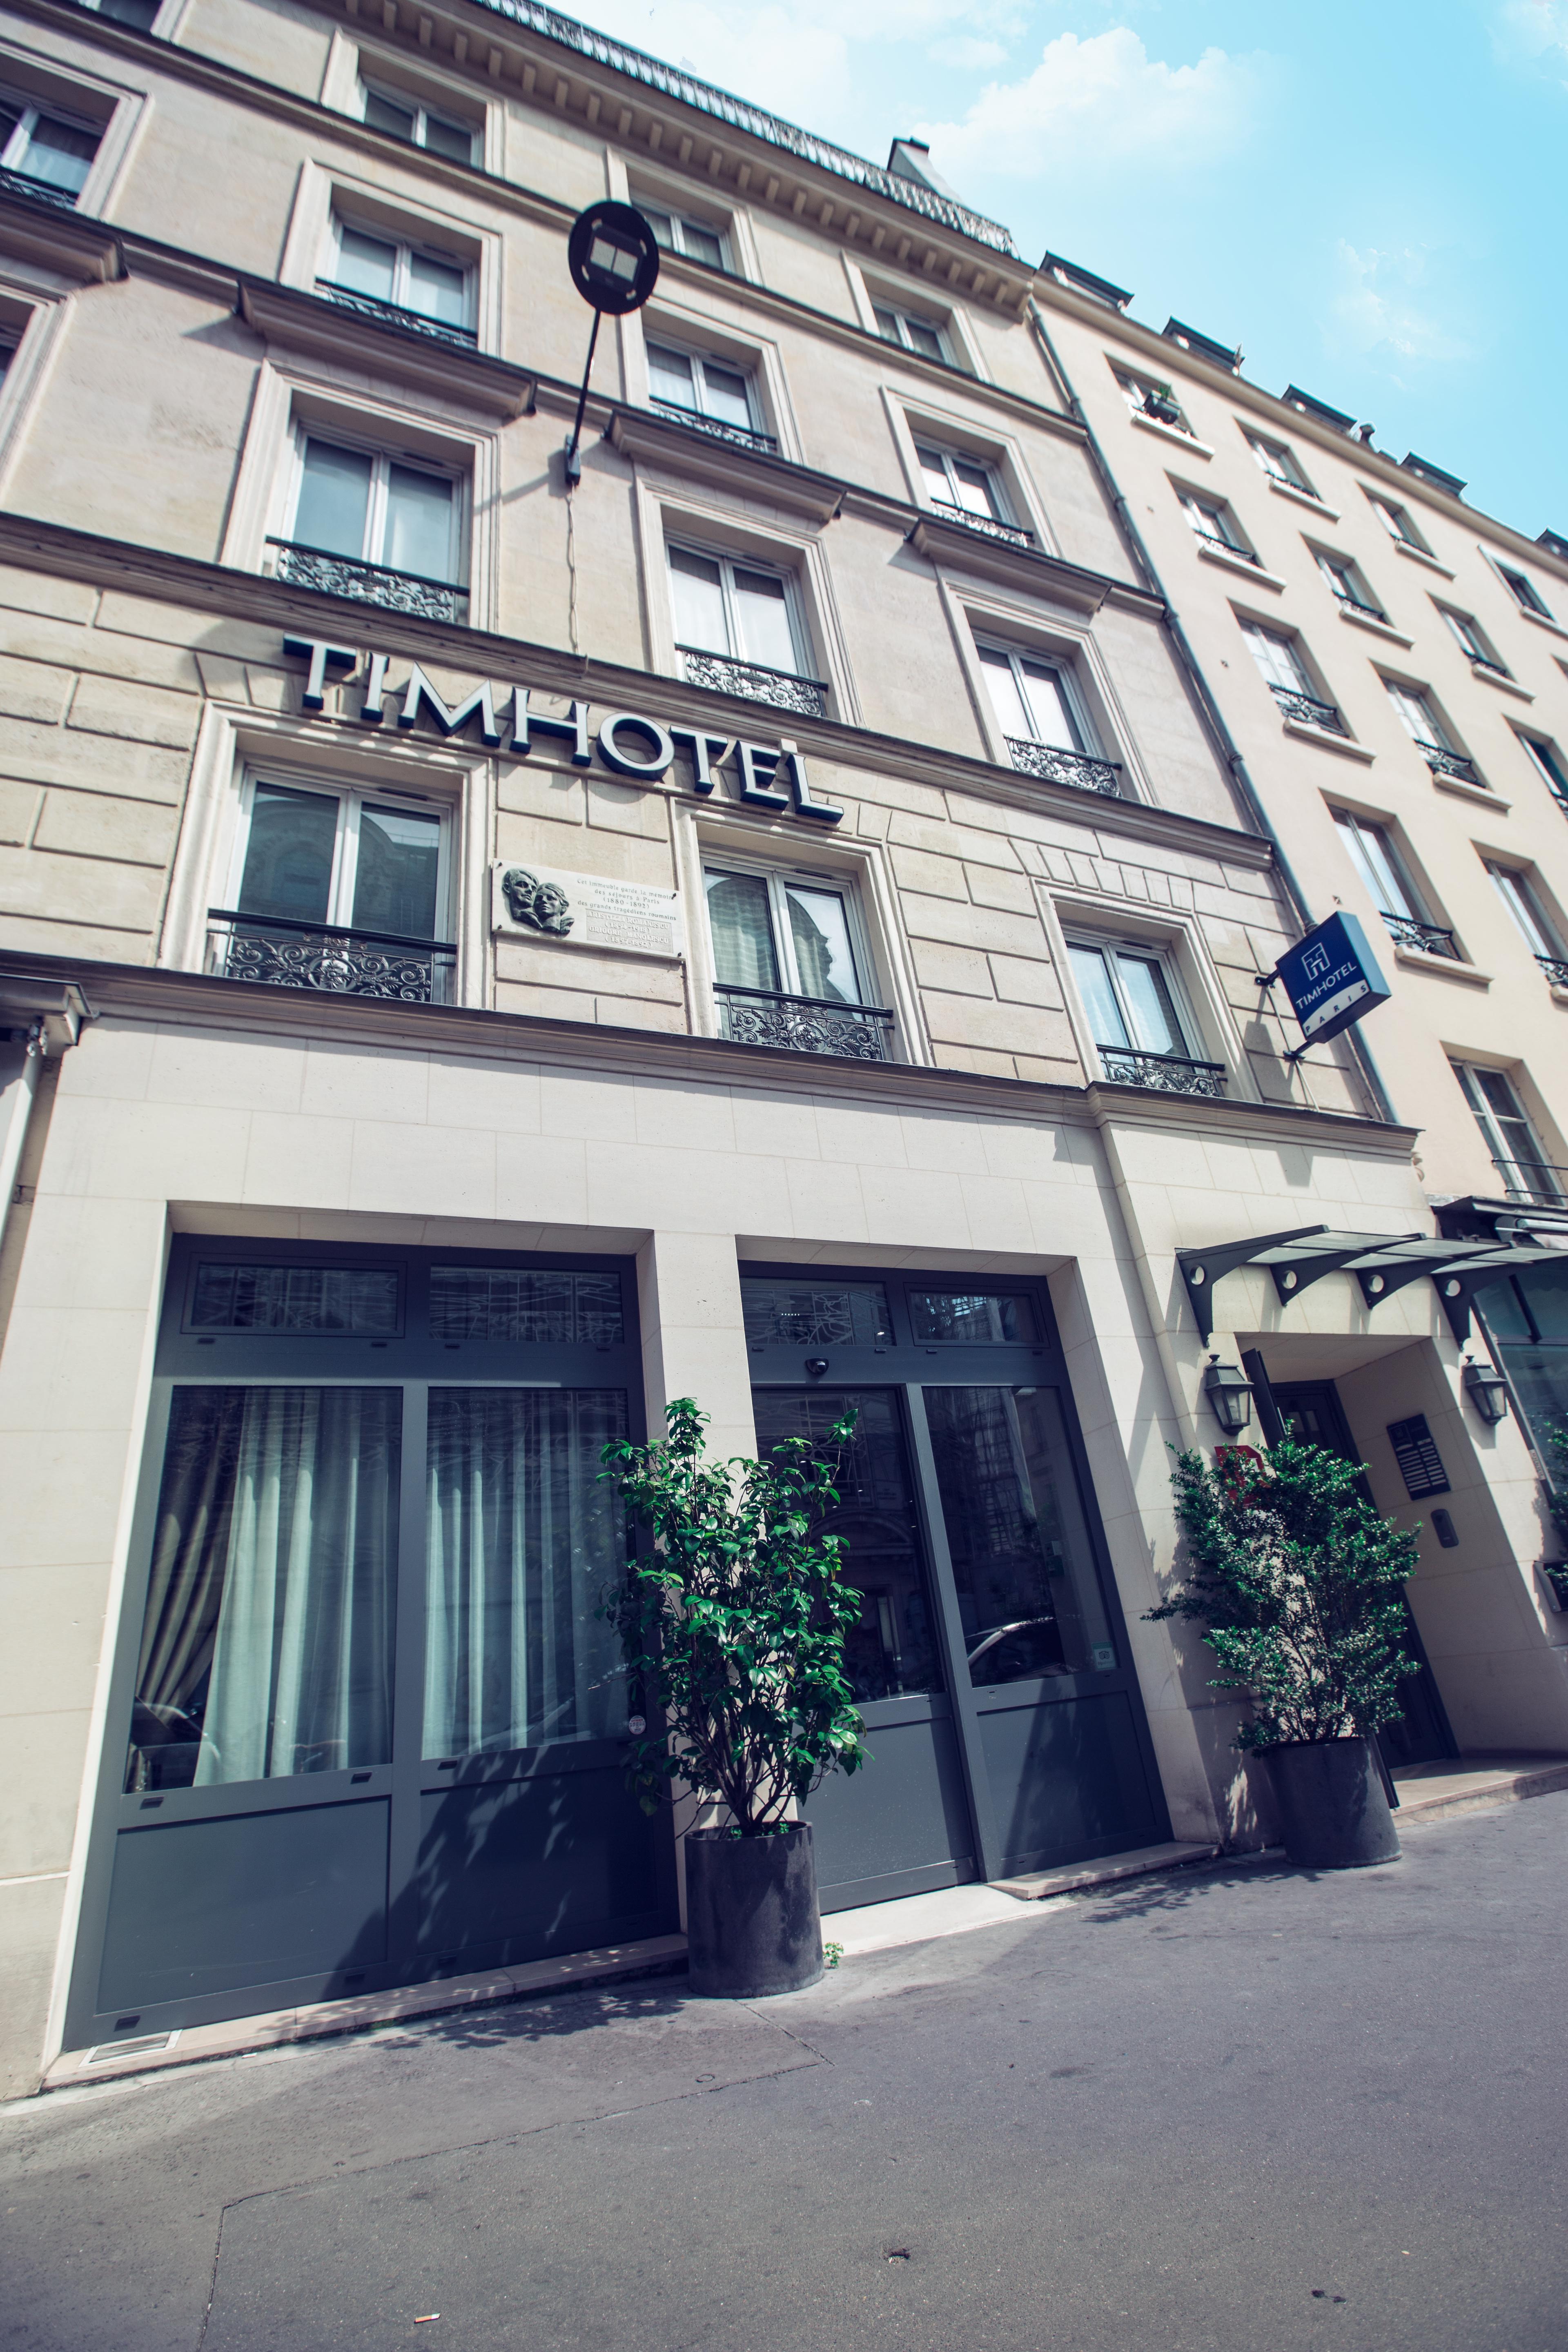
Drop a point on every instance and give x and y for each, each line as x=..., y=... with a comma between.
x=574, y=463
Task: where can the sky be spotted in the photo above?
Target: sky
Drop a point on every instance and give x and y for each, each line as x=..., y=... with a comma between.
x=1367, y=195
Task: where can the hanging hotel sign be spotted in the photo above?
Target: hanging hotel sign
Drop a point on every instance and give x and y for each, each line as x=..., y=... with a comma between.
x=769, y=776
x=1332, y=978
x=584, y=910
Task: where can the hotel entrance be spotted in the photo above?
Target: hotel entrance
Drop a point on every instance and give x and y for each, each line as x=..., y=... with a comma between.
x=990, y=1660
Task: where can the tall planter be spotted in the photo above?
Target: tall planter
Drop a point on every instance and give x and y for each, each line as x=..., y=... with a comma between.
x=1332, y=1809
x=752, y=1920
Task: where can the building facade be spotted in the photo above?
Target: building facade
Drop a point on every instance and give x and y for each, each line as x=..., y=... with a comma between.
x=778, y=922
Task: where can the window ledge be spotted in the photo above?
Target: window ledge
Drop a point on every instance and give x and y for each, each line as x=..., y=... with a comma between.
x=1303, y=499
x=1169, y=433
x=1328, y=742
x=1238, y=562
x=1379, y=628
x=1542, y=621
x=1418, y=555
x=1446, y=967
x=1559, y=995
x=1504, y=685
x=1481, y=793
x=640, y=433
x=297, y=322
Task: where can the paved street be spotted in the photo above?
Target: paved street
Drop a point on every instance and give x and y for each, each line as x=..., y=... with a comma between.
x=1247, y=2108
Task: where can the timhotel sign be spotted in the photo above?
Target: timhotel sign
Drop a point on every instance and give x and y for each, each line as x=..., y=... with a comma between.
x=1332, y=978
x=767, y=775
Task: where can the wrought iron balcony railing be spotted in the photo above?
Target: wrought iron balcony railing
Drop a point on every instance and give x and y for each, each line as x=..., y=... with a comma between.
x=804, y=1024
x=1555, y=967
x=281, y=953
x=394, y=314
x=1486, y=661
x=1307, y=711
x=1165, y=1074
x=1059, y=767
x=1011, y=533
x=715, y=427
x=807, y=696
x=1407, y=932
x=1450, y=763
x=1535, y=1181
x=42, y=192
x=370, y=584
x=1359, y=605
x=1229, y=547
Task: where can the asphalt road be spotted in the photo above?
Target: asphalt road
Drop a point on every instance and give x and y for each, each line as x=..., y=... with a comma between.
x=1248, y=2107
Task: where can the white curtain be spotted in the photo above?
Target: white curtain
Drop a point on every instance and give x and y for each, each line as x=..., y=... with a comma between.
x=522, y=1542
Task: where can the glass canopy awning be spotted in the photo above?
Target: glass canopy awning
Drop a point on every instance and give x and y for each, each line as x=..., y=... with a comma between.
x=1382, y=1264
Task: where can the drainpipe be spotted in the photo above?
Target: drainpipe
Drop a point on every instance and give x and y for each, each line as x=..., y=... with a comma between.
x=1209, y=709
x=39, y=1021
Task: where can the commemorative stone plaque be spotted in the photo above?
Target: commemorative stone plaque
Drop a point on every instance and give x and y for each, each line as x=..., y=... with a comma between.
x=585, y=910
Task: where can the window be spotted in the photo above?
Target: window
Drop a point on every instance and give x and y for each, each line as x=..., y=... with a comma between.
x=1396, y=523
x=1420, y=721
x=1524, y=591
x=1552, y=764
x=1212, y=526
x=51, y=149
x=363, y=506
x=405, y=117
x=1279, y=463
x=737, y=611
x=693, y=238
x=1046, y=728
x=313, y=862
x=140, y=13
x=716, y=392
x=1474, y=640
x=1146, y=398
x=954, y=481
x=388, y=273
x=1530, y=918
x=1389, y=887
x=1522, y=1166
x=1286, y=676
x=1349, y=588
x=913, y=333
x=1141, y=1030
x=790, y=967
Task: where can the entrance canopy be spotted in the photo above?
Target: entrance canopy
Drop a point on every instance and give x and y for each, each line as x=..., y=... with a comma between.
x=1381, y=1264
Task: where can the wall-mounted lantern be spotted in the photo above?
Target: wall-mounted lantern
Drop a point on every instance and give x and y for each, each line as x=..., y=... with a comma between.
x=1486, y=1389
x=1229, y=1393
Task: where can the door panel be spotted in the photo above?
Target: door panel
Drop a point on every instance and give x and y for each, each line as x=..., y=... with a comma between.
x=900, y=1825
x=1066, y=1778
x=202, y=1907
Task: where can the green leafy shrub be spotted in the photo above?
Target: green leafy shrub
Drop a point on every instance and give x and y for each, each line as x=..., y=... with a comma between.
x=734, y=1627
x=1298, y=1582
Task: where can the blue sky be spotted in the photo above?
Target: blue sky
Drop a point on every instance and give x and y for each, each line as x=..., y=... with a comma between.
x=1368, y=196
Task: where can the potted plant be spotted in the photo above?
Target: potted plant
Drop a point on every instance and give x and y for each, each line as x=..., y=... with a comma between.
x=1296, y=1582
x=1160, y=401
x=1554, y=1448
x=733, y=1628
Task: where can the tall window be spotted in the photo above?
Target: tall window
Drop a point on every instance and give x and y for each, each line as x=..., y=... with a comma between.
x=376, y=510
x=1552, y=764
x=790, y=965
x=1524, y=591
x=1474, y=640
x=912, y=334
x=737, y=610
x=406, y=117
x=403, y=276
x=1279, y=463
x=1349, y=588
x=1032, y=701
x=1370, y=850
x=1396, y=523
x=1137, y=1020
x=1286, y=674
x=714, y=390
x=140, y=13
x=954, y=481
x=1417, y=716
x=678, y=233
x=41, y=144
x=1213, y=524
x=1529, y=916
x=1523, y=1167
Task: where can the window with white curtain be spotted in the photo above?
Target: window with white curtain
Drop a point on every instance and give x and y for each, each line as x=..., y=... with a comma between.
x=404, y=274
x=678, y=233
x=1278, y=660
x=1371, y=852
x=409, y=118
x=1131, y=999
x=1280, y=462
x=787, y=934
x=1212, y=522
x=699, y=384
x=952, y=479
x=46, y=143
x=912, y=332
x=723, y=606
x=1034, y=701
x=1417, y=715
x=1517, y=1153
x=376, y=508
x=1529, y=916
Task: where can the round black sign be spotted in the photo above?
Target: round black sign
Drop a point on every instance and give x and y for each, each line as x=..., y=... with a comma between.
x=612, y=255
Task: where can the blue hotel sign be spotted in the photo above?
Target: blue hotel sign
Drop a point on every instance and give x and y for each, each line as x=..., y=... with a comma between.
x=1332, y=978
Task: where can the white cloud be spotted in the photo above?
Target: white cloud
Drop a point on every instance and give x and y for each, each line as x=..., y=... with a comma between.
x=965, y=54
x=1099, y=101
x=1534, y=25
x=1374, y=311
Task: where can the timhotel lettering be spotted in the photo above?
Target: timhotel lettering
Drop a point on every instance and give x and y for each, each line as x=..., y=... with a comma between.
x=766, y=775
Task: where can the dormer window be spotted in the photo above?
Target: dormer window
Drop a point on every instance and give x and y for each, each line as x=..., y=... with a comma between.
x=912, y=334
x=404, y=117
x=677, y=232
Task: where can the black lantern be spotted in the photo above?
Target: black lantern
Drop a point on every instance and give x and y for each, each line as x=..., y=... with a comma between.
x=1229, y=1393
x=1486, y=1389
x=612, y=255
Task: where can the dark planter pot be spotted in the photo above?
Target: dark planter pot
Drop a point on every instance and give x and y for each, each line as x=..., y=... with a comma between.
x=1332, y=1806
x=751, y=1922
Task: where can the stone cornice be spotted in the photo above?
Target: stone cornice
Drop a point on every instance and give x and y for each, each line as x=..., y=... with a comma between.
x=71, y=244
x=640, y=434
x=1032, y=570
x=446, y=372
x=136, y=992
x=477, y=653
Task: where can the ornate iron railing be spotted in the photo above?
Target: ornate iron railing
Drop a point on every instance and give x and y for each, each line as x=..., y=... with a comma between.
x=370, y=584
x=1166, y=1074
x=715, y=427
x=1406, y=932
x=42, y=192
x=1357, y=605
x=1450, y=763
x=807, y=696
x=1535, y=1181
x=1555, y=967
x=1307, y=710
x=1012, y=533
x=1486, y=661
x=804, y=1024
x=1059, y=767
x=394, y=314
x=1228, y=546
x=282, y=953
